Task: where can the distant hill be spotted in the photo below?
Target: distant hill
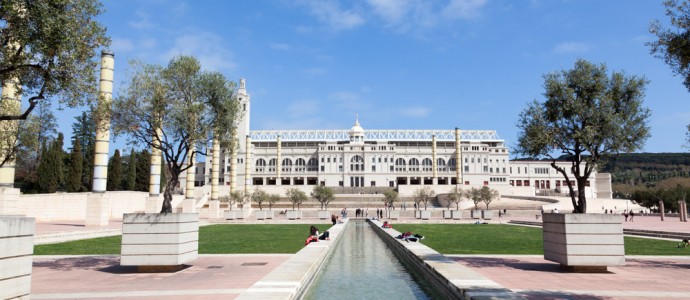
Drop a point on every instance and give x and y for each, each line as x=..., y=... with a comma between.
x=647, y=168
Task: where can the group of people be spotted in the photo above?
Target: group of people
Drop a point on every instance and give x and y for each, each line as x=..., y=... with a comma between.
x=314, y=235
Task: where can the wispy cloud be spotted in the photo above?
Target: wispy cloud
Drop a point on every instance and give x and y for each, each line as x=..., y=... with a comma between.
x=567, y=47
x=415, y=112
x=279, y=46
x=142, y=22
x=463, y=9
x=208, y=47
x=120, y=45
x=330, y=12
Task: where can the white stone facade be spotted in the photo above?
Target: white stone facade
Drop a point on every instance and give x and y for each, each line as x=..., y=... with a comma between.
x=359, y=160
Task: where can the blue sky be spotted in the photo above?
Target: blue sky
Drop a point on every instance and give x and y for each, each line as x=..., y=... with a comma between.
x=401, y=64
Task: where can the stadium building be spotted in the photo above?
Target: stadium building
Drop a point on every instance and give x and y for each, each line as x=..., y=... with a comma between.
x=369, y=161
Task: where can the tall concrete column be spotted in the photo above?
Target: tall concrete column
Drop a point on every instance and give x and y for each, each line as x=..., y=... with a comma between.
x=458, y=157
x=97, y=206
x=279, y=163
x=154, y=201
x=434, y=176
x=189, y=203
x=233, y=164
x=247, y=164
x=662, y=210
x=10, y=105
x=214, y=204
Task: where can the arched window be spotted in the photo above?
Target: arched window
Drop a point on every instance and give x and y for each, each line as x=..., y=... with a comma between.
x=313, y=164
x=426, y=165
x=286, y=165
x=272, y=164
x=299, y=165
x=400, y=165
x=414, y=165
x=452, y=164
x=260, y=165
x=440, y=164
x=357, y=163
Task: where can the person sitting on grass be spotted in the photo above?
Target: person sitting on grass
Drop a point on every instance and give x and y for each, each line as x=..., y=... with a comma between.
x=386, y=225
x=683, y=244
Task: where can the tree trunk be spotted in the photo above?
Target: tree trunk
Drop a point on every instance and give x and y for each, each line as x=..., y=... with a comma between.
x=167, y=194
x=581, y=206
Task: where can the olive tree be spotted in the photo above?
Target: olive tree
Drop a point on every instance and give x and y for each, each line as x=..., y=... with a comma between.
x=272, y=200
x=238, y=197
x=323, y=195
x=47, y=51
x=488, y=195
x=476, y=195
x=259, y=197
x=423, y=195
x=673, y=44
x=165, y=108
x=296, y=196
x=389, y=197
x=456, y=196
x=587, y=115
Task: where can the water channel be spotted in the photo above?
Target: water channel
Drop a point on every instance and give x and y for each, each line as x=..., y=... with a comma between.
x=363, y=267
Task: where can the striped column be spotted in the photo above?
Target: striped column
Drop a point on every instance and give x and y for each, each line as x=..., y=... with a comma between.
x=433, y=159
x=188, y=206
x=458, y=157
x=215, y=169
x=11, y=105
x=279, y=163
x=233, y=164
x=247, y=164
x=100, y=159
x=155, y=174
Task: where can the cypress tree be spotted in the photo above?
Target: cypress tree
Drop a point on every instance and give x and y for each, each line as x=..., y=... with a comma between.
x=143, y=170
x=44, y=166
x=59, y=156
x=75, y=168
x=115, y=172
x=130, y=180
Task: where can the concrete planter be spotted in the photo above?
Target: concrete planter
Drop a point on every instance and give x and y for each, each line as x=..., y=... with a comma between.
x=447, y=214
x=294, y=214
x=394, y=214
x=323, y=214
x=229, y=214
x=476, y=214
x=584, y=242
x=425, y=214
x=260, y=214
x=457, y=214
x=159, y=242
x=16, y=248
x=487, y=214
x=270, y=214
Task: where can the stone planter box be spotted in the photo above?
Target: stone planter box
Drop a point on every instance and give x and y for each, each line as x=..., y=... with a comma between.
x=294, y=214
x=16, y=250
x=229, y=214
x=270, y=214
x=487, y=214
x=447, y=214
x=476, y=214
x=323, y=214
x=159, y=242
x=260, y=214
x=457, y=214
x=425, y=214
x=394, y=214
x=584, y=242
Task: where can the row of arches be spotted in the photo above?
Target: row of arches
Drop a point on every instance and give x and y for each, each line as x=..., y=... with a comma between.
x=356, y=164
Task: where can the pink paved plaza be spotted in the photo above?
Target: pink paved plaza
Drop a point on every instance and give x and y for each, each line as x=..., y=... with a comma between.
x=226, y=276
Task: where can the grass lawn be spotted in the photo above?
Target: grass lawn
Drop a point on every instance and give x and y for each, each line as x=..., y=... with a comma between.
x=289, y=238
x=213, y=239
x=510, y=239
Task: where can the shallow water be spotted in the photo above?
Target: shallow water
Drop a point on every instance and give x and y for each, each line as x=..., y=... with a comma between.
x=362, y=267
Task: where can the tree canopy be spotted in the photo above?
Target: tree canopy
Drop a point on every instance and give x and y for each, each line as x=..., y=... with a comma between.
x=588, y=115
x=323, y=194
x=49, y=46
x=168, y=108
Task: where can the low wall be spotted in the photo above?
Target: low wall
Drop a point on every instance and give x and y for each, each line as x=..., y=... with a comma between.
x=291, y=279
x=452, y=279
x=72, y=206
